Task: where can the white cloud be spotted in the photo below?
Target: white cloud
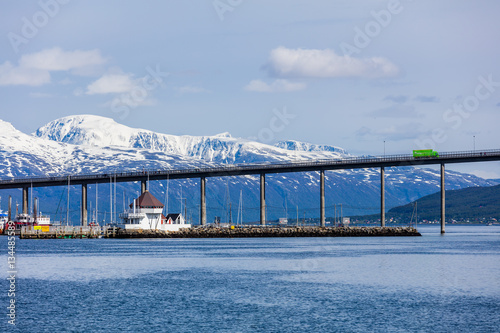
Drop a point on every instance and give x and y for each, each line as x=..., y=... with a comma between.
x=56, y=59
x=284, y=62
x=279, y=85
x=11, y=76
x=127, y=91
x=111, y=84
x=34, y=69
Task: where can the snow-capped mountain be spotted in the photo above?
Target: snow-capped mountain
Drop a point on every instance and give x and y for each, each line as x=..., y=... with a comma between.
x=90, y=144
x=303, y=146
x=23, y=155
x=98, y=131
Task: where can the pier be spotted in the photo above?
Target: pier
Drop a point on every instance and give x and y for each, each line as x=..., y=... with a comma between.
x=62, y=232
x=262, y=169
x=256, y=231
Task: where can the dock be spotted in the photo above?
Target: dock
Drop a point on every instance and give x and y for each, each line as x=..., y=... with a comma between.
x=32, y=232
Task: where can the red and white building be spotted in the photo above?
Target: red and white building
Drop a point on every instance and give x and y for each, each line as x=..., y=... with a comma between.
x=145, y=213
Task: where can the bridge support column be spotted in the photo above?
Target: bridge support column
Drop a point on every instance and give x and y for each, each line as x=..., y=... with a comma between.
x=84, y=205
x=382, y=197
x=25, y=200
x=203, y=207
x=144, y=186
x=9, y=216
x=442, y=199
x=322, y=197
x=262, y=199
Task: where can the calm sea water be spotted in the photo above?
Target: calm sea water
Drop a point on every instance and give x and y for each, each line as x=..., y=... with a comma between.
x=433, y=283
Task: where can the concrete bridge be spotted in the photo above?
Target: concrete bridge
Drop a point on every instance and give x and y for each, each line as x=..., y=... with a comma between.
x=259, y=169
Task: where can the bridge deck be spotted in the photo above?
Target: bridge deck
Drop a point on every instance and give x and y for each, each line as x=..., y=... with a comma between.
x=262, y=168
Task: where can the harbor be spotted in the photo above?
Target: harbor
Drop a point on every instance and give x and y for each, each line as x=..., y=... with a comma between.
x=144, y=218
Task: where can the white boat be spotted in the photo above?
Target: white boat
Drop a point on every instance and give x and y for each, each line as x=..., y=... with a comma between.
x=283, y=221
x=3, y=221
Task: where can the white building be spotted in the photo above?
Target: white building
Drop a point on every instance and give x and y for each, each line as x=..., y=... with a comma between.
x=146, y=213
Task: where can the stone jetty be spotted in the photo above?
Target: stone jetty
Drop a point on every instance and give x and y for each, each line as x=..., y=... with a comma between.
x=258, y=231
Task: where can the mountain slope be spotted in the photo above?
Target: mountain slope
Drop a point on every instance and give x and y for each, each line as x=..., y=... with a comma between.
x=468, y=203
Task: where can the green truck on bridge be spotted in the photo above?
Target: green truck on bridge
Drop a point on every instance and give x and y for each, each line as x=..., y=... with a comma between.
x=425, y=153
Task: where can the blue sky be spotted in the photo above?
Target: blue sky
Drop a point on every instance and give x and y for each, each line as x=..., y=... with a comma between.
x=347, y=73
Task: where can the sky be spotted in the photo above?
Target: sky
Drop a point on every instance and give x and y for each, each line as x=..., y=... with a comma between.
x=368, y=76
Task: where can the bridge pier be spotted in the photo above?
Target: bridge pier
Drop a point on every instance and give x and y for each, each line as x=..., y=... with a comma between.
x=382, y=196
x=203, y=206
x=144, y=186
x=322, y=197
x=84, y=205
x=35, y=210
x=25, y=200
x=442, y=199
x=262, y=199
x=9, y=215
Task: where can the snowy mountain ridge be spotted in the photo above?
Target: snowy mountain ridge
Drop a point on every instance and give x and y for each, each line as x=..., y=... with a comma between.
x=99, y=131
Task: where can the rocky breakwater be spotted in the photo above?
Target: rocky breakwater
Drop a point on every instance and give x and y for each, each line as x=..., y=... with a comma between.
x=258, y=231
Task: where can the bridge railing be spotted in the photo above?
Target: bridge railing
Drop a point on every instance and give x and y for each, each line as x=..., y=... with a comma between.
x=257, y=166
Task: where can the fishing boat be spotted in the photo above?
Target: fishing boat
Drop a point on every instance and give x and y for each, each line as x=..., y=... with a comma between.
x=27, y=219
x=35, y=219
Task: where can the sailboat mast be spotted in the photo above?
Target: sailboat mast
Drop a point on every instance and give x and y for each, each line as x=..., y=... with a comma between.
x=96, y=211
x=286, y=206
x=31, y=199
x=67, y=210
x=114, y=213
x=240, y=209
x=111, y=199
